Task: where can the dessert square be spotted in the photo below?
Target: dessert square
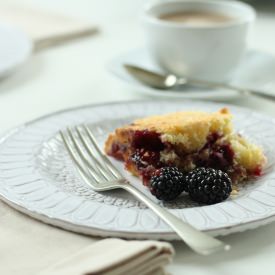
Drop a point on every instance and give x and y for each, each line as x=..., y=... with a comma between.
x=185, y=140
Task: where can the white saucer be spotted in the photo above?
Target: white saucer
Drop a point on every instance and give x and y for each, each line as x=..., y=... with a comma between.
x=15, y=49
x=255, y=71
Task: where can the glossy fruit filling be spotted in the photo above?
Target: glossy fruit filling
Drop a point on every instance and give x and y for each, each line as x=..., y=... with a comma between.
x=214, y=154
x=143, y=156
x=147, y=140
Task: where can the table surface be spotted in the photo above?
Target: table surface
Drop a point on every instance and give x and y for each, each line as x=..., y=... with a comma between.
x=75, y=74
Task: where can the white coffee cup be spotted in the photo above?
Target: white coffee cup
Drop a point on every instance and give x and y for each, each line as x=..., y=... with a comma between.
x=200, y=51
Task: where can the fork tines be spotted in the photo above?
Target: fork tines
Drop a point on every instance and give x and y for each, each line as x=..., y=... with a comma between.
x=87, y=156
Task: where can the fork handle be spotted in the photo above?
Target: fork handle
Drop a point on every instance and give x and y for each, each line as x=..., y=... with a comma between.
x=195, y=239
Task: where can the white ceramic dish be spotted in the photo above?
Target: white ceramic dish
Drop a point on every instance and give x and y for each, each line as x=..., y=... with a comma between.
x=255, y=71
x=37, y=177
x=209, y=52
x=15, y=49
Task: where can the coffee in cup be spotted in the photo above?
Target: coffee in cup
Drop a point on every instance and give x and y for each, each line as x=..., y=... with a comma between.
x=197, y=18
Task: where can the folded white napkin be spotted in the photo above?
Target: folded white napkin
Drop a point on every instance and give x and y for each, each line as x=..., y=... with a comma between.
x=116, y=257
x=44, y=28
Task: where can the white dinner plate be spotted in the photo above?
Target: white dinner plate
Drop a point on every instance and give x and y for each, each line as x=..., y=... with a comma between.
x=256, y=71
x=15, y=49
x=38, y=178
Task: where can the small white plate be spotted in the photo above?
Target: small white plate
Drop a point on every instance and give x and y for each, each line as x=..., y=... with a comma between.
x=15, y=49
x=37, y=176
x=256, y=71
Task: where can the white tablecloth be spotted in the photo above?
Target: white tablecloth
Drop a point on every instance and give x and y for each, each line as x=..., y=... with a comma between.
x=75, y=74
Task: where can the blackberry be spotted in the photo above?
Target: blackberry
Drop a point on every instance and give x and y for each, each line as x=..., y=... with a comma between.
x=167, y=183
x=207, y=185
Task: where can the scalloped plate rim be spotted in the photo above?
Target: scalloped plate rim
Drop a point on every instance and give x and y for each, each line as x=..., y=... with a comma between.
x=79, y=228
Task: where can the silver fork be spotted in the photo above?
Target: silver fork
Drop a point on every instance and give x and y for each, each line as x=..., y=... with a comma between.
x=101, y=175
